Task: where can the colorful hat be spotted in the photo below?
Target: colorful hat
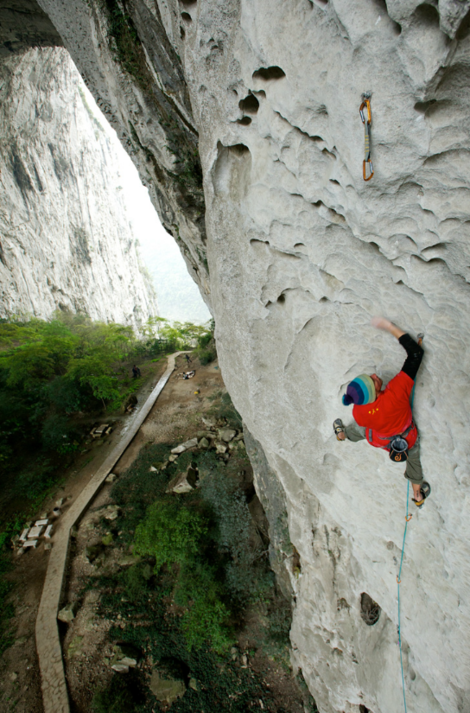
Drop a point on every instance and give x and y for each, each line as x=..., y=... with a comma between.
x=361, y=390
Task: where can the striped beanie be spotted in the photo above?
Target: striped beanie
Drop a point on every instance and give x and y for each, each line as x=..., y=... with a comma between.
x=361, y=390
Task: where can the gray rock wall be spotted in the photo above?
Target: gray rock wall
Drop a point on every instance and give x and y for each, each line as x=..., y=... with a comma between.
x=301, y=253
x=65, y=237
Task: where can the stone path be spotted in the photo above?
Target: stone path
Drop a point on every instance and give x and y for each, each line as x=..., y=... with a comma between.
x=53, y=684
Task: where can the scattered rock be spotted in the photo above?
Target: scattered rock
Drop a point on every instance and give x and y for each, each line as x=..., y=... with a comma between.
x=127, y=661
x=203, y=444
x=120, y=668
x=75, y=646
x=172, y=458
x=183, y=482
x=107, y=539
x=59, y=502
x=127, y=560
x=193, y=684
x=208, y=422
x=220, y=447
x=110, y=512
x=111, y=478
x=152, y=469
x=67, y=614
x=166, y=690
x=13, y=676
x=226, y=434
x=192, y=443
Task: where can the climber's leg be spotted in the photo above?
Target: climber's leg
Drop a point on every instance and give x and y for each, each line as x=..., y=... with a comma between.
x=414, y=473
x=354, y=432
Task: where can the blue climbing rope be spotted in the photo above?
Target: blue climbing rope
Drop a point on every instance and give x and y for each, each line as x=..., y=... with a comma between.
x=407, y=519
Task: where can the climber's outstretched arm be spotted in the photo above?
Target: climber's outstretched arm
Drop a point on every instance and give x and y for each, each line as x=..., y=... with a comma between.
x=412, y=348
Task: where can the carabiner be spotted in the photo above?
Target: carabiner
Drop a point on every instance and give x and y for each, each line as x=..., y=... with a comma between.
x=365, y=103
x=364, y=170
x=366, y=120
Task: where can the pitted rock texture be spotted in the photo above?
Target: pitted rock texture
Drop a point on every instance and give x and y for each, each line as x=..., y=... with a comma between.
x=65, y=238
x=302, y=252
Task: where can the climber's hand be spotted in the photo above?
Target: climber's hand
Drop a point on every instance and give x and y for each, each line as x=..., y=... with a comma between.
x=385, y=324
x=381, y=323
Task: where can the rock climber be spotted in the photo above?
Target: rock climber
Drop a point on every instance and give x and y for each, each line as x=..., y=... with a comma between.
x=380, y=416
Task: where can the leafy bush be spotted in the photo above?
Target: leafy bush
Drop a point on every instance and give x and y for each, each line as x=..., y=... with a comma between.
x=58, y=435
x=170, y=533
x=123, y=695
x=205, y=356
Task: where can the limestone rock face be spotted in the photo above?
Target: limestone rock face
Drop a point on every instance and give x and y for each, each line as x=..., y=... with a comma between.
x=302, y=252
x=65, y=237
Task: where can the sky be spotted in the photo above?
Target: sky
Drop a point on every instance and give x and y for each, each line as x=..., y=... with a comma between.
x=178, y=296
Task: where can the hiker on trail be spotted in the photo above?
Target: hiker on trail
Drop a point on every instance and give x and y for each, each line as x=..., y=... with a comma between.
x=135, y=371
x=188, y=359
x=384, y=418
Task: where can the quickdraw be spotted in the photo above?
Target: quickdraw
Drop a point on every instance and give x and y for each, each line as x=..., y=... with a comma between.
x=367, y=163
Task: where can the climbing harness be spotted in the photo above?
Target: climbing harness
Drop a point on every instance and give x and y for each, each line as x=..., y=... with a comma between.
x=367, y=166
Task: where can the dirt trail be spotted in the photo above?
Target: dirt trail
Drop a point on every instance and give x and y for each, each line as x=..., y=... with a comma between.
x=20, y=683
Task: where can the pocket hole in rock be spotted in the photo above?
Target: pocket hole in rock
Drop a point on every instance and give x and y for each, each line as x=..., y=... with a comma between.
x=363, y=709
x=250, y=104
x=320, y=3
x=370, y=610
x=186, y=17
x=188, y=3
x=268, y=73
x=333, y=180
x=182, y=32
x=246, y=121
x=426, y=15
x=281, y=299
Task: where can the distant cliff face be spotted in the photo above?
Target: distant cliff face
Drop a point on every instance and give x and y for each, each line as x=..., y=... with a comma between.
x=65, y=238
x=302, y=252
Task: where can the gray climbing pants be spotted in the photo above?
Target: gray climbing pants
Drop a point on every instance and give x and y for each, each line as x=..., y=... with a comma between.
x=413, y=471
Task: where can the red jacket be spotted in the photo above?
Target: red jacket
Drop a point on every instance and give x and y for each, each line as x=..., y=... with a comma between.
x=390, y=414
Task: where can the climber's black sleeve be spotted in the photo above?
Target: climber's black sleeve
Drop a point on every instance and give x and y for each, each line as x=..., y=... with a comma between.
x=415, y=354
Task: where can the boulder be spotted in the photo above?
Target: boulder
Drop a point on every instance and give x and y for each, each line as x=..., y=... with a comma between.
x=183, y=482
x=110, y=512
x=221, y=447
x=120, y=667
x=192, y=443
x=166, y=690
x=67, y=613
x=226, y=434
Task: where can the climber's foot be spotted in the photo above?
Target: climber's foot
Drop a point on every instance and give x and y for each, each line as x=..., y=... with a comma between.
x=420, y=493
x=339, y=429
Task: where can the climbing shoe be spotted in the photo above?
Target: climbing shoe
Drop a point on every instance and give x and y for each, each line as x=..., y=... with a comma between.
x=338, y=428
x=425, y=492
